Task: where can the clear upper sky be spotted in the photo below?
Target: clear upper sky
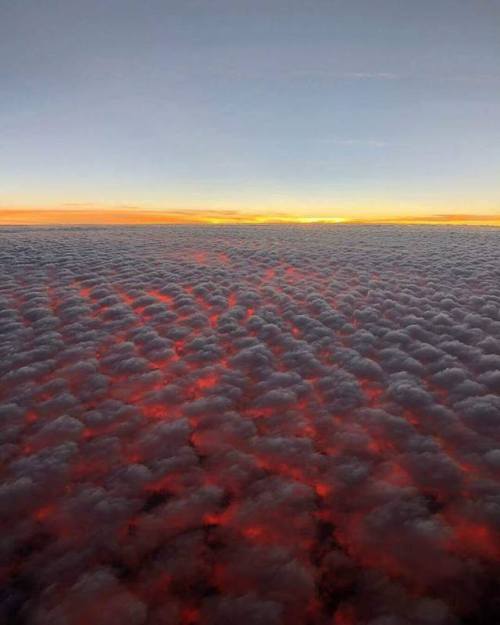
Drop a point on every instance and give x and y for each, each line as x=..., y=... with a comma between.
x=348, y=108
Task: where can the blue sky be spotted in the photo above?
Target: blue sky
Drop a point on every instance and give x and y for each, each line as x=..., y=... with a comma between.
x=341, y=107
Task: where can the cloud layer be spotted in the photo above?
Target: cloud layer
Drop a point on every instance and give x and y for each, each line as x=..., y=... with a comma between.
x=265, y=426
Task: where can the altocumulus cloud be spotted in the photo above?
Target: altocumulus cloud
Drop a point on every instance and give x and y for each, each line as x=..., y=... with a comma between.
x=265, y=426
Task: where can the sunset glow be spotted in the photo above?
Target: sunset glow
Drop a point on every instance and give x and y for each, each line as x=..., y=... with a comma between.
x=250, y=312
x=136, y=216
x=219, y=113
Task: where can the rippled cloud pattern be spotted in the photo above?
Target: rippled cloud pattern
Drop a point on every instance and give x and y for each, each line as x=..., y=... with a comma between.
x=250, y=426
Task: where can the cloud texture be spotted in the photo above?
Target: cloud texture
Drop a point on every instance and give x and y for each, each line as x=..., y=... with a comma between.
x=264, y=426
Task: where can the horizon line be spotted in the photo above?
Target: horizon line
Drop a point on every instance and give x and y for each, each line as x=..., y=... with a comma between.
x=72, y=215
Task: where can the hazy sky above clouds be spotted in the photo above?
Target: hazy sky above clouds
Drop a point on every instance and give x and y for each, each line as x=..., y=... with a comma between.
x=344, y=107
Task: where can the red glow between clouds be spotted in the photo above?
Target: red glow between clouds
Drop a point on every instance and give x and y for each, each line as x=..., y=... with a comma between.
x=207, y=432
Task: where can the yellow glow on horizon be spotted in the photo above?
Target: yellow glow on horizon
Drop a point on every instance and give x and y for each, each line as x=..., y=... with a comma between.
x=105, y=215
x=322, y=220
x=273, y=219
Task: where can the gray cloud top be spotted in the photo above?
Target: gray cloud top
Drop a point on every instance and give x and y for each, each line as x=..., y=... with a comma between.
x=255, y=425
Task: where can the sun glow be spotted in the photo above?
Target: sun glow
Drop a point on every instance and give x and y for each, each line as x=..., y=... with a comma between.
x=105, y=215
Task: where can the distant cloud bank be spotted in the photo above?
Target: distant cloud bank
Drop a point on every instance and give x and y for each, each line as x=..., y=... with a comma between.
x=81, y=214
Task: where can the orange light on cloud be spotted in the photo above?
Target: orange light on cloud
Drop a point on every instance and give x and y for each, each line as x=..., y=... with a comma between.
x=131, y=215
x=138, y=216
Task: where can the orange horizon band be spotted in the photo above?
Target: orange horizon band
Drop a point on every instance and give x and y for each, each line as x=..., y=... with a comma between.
x=15, y=216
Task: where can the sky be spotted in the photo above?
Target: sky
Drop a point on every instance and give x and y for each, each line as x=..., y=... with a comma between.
x=220, y=110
